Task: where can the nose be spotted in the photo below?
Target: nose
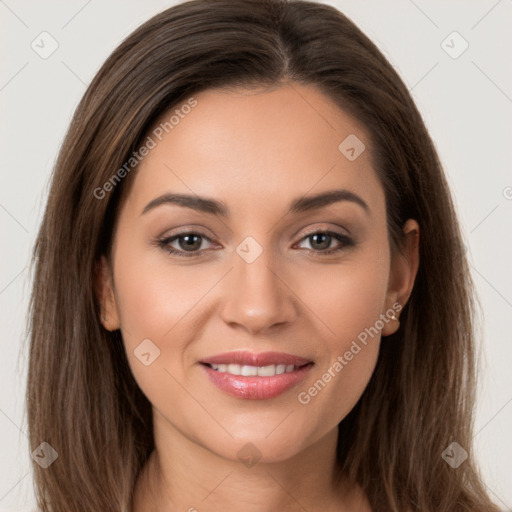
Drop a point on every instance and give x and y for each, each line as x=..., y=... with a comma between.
x=258, y=297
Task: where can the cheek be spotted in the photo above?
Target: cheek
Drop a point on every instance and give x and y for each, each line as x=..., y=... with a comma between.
x=156, y=302
x=155, y=296
x=348, y=297
x=349, y=300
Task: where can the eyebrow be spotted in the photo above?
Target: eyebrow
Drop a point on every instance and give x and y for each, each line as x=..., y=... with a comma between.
x=218, y=208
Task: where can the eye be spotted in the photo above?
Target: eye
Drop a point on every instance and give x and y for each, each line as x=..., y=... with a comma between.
x=321, y=241
x=188, y=243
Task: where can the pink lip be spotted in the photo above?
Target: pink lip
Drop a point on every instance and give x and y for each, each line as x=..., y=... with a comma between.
x=256, y=388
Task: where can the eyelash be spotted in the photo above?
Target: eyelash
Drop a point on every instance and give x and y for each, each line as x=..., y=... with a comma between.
x=164, y=243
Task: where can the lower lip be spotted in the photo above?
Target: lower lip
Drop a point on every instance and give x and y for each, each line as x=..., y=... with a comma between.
x=256, y=388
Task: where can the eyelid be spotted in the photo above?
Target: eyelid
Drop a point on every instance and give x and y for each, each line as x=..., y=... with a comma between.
x=325, y=229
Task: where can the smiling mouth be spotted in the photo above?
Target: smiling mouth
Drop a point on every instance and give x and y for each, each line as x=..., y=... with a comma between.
x=255, y=371
x=256, y=376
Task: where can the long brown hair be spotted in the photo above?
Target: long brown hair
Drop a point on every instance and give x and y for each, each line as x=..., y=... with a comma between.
x=81, y=396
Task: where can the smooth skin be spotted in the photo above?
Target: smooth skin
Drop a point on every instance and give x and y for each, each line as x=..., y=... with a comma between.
x=255, y=151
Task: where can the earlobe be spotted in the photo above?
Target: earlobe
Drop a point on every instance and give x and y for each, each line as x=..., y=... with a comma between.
x=104, y=289
x=404, y=268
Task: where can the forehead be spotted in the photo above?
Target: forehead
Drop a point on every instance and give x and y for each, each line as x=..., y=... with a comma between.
x=256, y=144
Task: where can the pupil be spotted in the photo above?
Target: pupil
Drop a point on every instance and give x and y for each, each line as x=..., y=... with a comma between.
x=190, y=244
x=325, y=236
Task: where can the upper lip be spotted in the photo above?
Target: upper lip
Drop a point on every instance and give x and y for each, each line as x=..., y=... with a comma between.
x=254, y=359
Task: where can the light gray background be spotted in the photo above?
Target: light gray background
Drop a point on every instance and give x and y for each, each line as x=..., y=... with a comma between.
x=465, y=101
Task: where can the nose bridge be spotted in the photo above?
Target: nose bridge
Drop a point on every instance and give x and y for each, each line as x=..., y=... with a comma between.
x=257, y=298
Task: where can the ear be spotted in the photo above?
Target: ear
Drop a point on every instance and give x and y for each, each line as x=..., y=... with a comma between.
x=104, y=288
x=404, y=267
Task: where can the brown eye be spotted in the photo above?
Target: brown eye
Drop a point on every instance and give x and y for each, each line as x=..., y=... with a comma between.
x=320, y=241
x=190, y=242
x=187, y=243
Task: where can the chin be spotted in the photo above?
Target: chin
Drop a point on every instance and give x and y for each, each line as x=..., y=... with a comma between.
x=275, y=446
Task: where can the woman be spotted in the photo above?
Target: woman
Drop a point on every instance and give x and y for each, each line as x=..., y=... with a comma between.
x=192, y=348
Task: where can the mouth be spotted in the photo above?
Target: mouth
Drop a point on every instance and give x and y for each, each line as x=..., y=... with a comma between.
x=256, y=376
x=254, y=371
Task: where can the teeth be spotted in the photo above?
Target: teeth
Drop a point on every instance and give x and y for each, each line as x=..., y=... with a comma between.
x=280, y=368
x=249, y=371
x=252, y=371
x=266, y=371
x=234, y=369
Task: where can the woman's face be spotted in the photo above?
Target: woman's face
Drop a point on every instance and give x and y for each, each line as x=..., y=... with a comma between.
x=249, y=274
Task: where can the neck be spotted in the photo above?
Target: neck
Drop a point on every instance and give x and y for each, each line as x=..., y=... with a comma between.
x=181, y=475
